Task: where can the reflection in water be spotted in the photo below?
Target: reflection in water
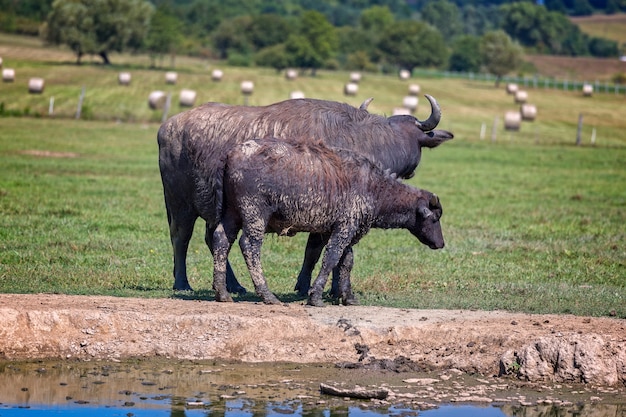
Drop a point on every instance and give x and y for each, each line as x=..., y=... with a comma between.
x=198, y=389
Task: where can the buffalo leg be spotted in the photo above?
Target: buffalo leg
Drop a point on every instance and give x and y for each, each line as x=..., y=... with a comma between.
x=181, y=228
x=314, y=246
x=344, y=286
x=250, y=244
x=332, y=256
x=231, y=281
x=222, y=242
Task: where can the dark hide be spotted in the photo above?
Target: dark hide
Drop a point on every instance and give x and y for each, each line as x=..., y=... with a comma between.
x=193, y=145
x=286, y=187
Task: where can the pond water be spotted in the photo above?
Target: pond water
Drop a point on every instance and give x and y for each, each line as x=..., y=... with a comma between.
x=190, y=389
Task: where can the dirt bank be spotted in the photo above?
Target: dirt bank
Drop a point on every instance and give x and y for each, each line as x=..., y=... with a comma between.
x=556, y=348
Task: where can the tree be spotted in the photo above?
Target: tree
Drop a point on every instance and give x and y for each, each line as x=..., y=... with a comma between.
x=98, y=27
x=499, y=54
x=411, y=44
x=445, y=16
x=274, y=56
x=164, y=36
x=465, y=54
x=315, y=43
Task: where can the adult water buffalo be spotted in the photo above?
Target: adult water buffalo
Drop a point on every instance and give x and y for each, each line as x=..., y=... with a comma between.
x=194, y=144
x=289, y=186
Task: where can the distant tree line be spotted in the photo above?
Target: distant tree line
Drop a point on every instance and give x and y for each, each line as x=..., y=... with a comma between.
x=376, y=35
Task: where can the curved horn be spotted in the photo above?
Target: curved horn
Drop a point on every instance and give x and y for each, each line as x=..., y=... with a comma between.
x=366, y=103
x=434, y=201
x=435, y=115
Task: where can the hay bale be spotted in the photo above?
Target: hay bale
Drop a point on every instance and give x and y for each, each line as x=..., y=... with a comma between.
x=291, y=74
x=156, y=100
x=217, y=74
x=351, y=89
x=35, y=85
x=187, y=98
x=171, y=77
x=8, y=75
x=528, y=112
x=521, y=96
x=410, y=102
x=123, y=78
x=512, y=120
x=355, y=77
x=398, y=111
x=587, y=90
x=511, y=88
x=247, y=87
x=404, y=74
x=414, y=89
x=296, y=94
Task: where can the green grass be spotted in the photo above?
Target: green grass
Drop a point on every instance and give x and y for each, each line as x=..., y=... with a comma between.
x=536, y=228
x=532, y=223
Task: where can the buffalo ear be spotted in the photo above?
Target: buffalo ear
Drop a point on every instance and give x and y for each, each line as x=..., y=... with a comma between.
x=424, y=212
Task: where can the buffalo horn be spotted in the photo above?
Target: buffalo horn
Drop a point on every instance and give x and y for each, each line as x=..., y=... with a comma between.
x=434, y=201
x=425, y=212
x=366, y=103
x=435, y=115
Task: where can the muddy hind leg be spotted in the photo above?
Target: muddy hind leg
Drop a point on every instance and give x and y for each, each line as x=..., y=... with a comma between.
x=333, y=254
x=250, y=244
x=341, y=274
x=231, y=281
x=222, y=242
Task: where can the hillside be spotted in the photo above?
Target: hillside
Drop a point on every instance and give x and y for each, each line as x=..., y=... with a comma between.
x=605, y=26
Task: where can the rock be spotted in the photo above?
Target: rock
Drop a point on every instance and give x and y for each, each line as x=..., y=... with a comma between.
x=573, y=358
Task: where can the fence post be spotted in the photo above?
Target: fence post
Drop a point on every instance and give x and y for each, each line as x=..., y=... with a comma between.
x=580, y=129
x=166, y=108
x=494, y=129
x=79, y=109
x=51, y=106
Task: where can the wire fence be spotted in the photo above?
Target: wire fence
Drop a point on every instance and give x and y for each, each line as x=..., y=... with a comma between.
x=530, y=81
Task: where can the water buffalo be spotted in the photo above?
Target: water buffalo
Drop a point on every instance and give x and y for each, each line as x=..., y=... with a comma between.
x=286, y=187
x=193, y=144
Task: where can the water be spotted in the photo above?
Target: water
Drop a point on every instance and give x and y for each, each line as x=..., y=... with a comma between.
x=194, y=389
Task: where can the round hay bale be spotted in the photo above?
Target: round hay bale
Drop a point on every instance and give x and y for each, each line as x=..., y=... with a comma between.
x=398, y=111
x=156, y=100
x=187, y=98
x=123, y=78
x=35, y=85
x=528, y=112
x=291, y=74
x=521, y=96
x=171, y=77
x=247, y=87
x=410, y=103
x=351, y=89
x=414, y=89
x=404, y=74
x=512, y=120
x=8, y=75
x=355, y=77
x=296, y=94
x=511, y=88
x=587, y=90
x=217, y=74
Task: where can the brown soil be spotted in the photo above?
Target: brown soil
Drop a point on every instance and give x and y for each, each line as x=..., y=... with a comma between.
x=93, y=327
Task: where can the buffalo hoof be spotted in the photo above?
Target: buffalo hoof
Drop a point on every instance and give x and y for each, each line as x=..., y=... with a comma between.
x=350, y=301
x=315, y=301
x=223, y=298
x=302, y=287
x=182, y=287
x=271, y=299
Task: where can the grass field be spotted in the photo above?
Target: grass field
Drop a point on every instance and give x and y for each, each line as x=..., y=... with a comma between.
x=532, y=222
x=604, y=26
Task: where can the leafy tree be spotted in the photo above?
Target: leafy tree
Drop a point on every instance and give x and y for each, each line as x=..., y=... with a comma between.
x=230, y=36
x=409, y=44
x=274, y=56
x=98, y=27
x=165, y=34
x=376, y=19
x=445, y=16
x=603, y=47
x=315, y=43
x=465, y=54
x=499, y=54
x=267, y=30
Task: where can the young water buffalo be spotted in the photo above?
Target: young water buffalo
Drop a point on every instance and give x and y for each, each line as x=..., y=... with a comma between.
x=286, y=187
x=193, y=144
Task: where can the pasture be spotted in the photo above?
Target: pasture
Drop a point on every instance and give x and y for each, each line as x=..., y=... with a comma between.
x=532, y=223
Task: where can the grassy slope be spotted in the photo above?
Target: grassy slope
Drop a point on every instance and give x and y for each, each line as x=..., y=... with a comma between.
x=532, y=223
